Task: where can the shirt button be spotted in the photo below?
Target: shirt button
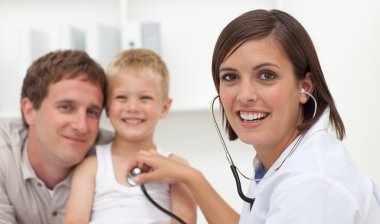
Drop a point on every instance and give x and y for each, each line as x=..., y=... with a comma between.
x=39, y=184
x=55, y=213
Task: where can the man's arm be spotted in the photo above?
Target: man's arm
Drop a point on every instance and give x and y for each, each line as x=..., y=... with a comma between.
x=8, y=127
x=7, y=214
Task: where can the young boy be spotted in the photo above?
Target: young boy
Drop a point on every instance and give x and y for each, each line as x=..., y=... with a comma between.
x=137, y=99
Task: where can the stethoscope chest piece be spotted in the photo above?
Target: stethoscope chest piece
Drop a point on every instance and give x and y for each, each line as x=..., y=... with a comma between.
x=131, y=176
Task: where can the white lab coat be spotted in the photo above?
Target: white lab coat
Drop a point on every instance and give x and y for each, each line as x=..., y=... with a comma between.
x=318, y=183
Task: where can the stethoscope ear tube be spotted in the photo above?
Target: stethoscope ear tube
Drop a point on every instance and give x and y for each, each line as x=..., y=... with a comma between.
x=238, y=185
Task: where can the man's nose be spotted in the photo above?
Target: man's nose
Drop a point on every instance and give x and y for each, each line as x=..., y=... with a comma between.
x=80, y=123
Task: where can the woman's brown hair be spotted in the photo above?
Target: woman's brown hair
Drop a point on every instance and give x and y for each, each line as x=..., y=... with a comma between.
x=297, y=45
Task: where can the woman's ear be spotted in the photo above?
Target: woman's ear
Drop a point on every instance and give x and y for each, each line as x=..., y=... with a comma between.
x=28, y=110
x=306, y=85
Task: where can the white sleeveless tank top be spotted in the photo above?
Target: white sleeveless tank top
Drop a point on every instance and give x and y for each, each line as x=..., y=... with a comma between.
x=116, y=203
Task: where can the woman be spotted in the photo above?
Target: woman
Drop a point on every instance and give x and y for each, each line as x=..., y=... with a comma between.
x=274, y=97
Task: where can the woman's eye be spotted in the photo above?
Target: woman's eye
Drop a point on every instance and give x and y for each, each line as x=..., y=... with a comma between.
x=229, y=77
x=267, y=76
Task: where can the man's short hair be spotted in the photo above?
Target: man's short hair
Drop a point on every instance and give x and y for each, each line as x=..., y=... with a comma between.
x=55, y=66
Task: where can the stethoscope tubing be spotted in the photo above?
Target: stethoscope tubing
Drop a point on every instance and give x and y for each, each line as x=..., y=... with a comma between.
x=234, y=169
x=229, y=158
x=172, y=215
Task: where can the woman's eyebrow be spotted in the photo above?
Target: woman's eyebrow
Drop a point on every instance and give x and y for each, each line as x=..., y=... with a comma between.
x=222, y=69
x=257, y=67
x=267, y=64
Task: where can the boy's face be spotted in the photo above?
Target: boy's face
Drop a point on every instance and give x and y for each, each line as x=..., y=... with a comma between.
x=135, y=106
x=67, y=123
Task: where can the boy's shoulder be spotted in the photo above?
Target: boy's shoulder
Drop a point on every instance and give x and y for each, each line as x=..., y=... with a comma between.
x=88, y=163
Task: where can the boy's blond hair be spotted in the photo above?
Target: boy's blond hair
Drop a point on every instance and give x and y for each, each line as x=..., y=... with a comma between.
x=145, y=62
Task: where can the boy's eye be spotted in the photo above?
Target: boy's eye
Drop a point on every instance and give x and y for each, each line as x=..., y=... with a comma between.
x=146, y=97
x=267, y=76
x=121, y=97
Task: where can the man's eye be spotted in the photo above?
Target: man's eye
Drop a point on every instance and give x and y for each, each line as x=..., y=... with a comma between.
x=267, y=76
x=66, y=108
x=93, y=113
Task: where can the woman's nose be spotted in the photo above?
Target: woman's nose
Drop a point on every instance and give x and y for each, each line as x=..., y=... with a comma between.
x=247, y=93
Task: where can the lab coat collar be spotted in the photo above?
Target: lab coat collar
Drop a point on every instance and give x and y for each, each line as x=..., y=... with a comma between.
x=321, y=124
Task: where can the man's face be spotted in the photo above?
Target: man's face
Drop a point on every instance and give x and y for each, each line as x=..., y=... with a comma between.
x=67, y=123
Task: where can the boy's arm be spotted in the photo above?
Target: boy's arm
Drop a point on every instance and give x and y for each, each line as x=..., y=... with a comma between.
x=79, y=205
x=182, y=202
x=169, y=170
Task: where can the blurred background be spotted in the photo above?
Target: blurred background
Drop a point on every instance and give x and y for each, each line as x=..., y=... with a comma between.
x=346, y=34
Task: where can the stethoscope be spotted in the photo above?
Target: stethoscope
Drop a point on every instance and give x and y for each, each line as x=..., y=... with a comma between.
x=130, y=178
x=136, y=171
x=234, y=169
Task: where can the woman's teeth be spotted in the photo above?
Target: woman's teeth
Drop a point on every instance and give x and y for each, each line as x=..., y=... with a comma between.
x=246, y=116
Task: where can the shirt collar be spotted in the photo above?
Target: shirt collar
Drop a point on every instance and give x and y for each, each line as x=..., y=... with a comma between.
x=28, y=171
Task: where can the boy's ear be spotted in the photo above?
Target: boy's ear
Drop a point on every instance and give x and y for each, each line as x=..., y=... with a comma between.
x=28, y=110
x=166, y=107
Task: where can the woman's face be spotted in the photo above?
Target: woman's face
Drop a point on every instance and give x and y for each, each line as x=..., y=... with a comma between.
x=260, y=95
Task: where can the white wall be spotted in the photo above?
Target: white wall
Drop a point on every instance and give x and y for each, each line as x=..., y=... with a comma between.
x=49, y=18
x=187, y=51
x=345, y=33
x=189, y=32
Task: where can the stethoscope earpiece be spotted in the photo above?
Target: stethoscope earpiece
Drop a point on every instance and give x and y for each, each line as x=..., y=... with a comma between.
x=303, y=91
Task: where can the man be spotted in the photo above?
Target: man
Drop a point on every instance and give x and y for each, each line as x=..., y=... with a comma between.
x=62, y=98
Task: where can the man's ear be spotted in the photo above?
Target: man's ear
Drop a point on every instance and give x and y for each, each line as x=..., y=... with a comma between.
x=28, y=110
x=166, y=107
x=106, y=109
